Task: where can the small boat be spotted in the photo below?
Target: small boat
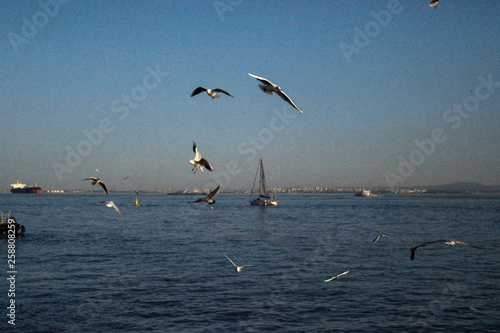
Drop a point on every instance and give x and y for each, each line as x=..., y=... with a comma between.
x=17, y=187
x=363, y=193
x=6, y=229
x=264, y=199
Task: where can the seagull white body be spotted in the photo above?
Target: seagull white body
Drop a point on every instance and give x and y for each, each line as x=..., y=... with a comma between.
x=237, y=268
x=378, y=237
x=208, y=199
x=269, y=88
x=96, y=181
x=199, y=162
x=211, y=92
x=336, y=276
x=434, y=3
x=450, y=242
x=111, y=204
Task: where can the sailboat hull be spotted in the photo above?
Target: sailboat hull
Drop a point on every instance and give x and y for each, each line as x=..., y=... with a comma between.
x=261, y=202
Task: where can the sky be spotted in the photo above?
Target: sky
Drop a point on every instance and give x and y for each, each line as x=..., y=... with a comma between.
x=394, y=93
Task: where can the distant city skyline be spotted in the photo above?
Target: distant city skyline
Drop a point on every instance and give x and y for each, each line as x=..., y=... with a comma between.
x=394, y=94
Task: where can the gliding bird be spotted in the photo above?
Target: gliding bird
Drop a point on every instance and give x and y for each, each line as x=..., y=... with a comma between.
x=434, y=3
x=199, y=162
x=378, y=237
x=111, y=204
x=208, y=198
x=268, y=87
x=210, y=92
x=97, y=181
x=237, y=268
x=450, y=242
x=337, y=276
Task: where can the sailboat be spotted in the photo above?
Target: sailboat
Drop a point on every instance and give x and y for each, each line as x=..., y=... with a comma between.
x=264, y=199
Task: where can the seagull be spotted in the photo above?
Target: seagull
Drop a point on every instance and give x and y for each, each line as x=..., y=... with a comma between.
x=208, y=198
x=337, y=276
x=237, y=268
x=434, y=3
x=111, y=204
x=450, y=242
x=210, y=92
x=199, y=162
x=268, y=87
x=378, y=237
x=97, y=181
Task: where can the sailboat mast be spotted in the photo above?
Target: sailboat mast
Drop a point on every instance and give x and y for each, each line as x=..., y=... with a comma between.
x=263, y=188
x=254, y=180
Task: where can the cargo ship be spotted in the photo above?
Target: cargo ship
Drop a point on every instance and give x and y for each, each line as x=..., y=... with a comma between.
x=17, y=187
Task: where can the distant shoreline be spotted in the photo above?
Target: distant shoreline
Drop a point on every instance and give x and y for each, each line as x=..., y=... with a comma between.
x=374, y=191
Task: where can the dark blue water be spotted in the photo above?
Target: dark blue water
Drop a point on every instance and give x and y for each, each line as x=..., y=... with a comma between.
x=82, y=268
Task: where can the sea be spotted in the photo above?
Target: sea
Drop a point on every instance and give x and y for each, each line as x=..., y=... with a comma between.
x=162, y=266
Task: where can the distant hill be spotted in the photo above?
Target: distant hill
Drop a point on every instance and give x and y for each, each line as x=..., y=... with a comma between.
x=460, y=187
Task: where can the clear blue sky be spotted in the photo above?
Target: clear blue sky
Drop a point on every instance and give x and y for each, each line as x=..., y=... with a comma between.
x=372, y=77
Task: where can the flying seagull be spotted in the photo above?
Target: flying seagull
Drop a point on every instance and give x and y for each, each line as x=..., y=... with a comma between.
x=434, y=3
x=199, y=162
x=337, y=276
x=208, y=198
x=97, y=181
x=237, y=268
x=268, y=87
x=111, y=204
x=378, y=237
x=210, y=92
x=450, y=242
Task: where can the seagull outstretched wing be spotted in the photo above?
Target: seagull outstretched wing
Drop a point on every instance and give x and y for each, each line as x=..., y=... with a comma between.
x=91, y=178
x=197, y=156
x=230, y=261
x=464, y=243
x=103, y=186
x=261, y=79
x=198, y=90
x=206, y=164
x=284, y=96
x=222, y=91
x=214, y=192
